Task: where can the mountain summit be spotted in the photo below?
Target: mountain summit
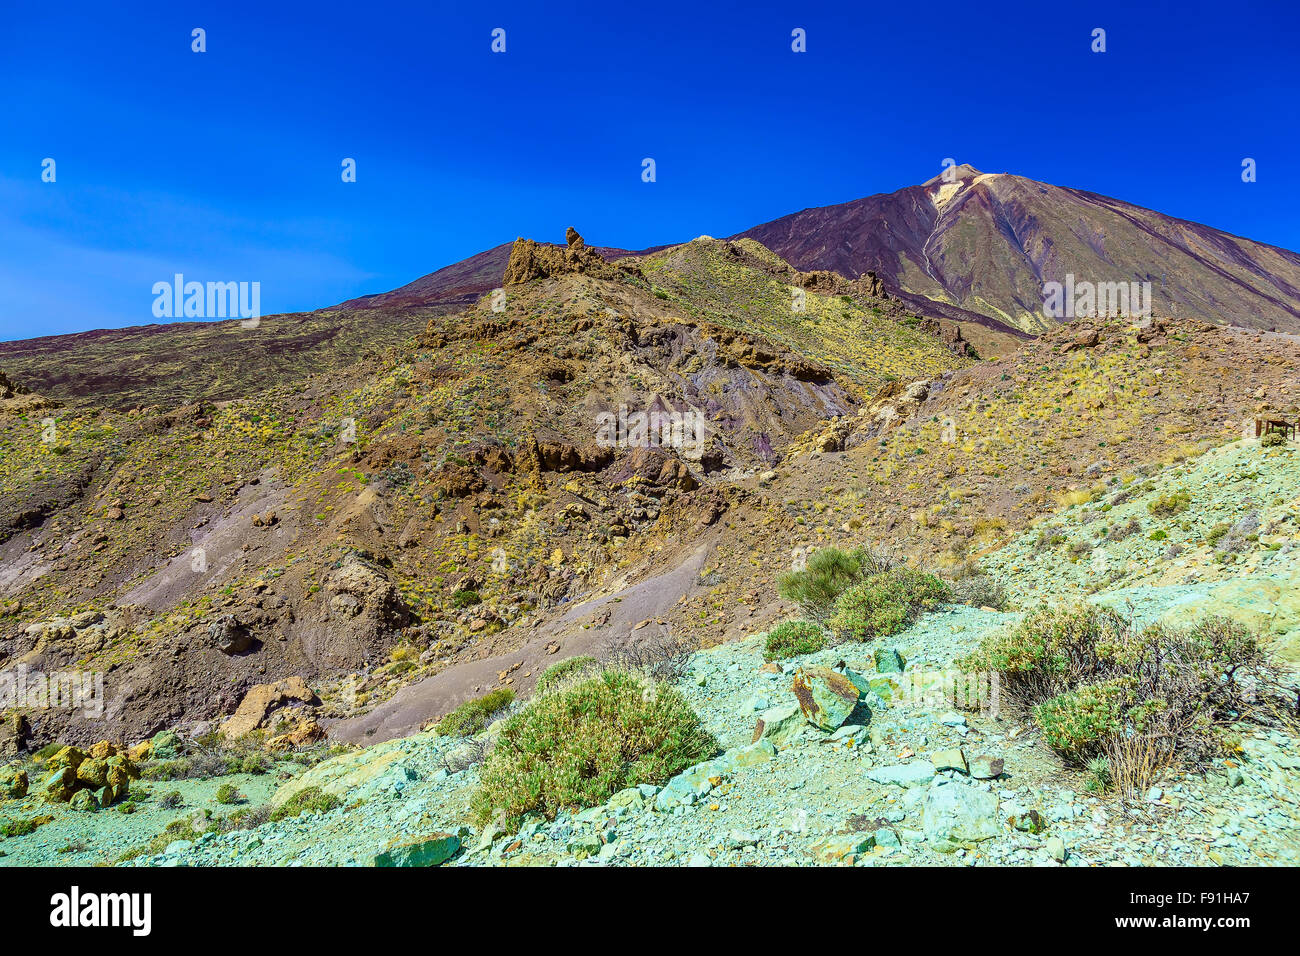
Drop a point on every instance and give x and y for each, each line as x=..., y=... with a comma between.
x=985, y=244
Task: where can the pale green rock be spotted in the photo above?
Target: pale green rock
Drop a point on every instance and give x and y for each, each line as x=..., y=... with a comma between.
x=13, y=783
x=432, y=850
x=826, y=698
x=952, y=759
x=688, y=786
x=361, y=774
x=629, y=799
x=166, y=745
x=918, y=773
x=754, y=755
x=985, y=767
x=888, y=661
x=781, y=725
x=584, y=846
x=956, y=816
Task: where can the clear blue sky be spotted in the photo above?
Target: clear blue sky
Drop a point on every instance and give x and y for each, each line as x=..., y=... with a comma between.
x=226, y=165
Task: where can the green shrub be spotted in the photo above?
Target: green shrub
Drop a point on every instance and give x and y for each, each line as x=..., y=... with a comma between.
x=577, y=747
x=48, y=751
x=19, y=827
x=1175, y=502
x=1050, y=651
x=178, y=769
x=255, y=764
x=1273, y=439
x=1076, y=723
x=464, y=599
x=563, y=671
x=1097, y=686
x=228, y=793
x=978, y=590
x=1098, y=775
x=1121, y=531
x=310, y=800
x=828, y=573
x=473, y=716
x=793, y=638
x=176, y=830
x=885, y=603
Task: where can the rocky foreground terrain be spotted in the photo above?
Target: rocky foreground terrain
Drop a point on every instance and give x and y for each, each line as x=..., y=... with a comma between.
x=320, y=611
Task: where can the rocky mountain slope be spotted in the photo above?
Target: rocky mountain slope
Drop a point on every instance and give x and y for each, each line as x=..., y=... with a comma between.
x=918, y=781
x=986, y=244
x=341, y=559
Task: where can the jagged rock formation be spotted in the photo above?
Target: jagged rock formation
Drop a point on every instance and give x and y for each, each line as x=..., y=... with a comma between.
x=534, y=260
x=8, y=389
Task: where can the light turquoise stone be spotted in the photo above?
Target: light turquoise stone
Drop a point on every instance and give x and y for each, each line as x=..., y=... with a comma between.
x=421, y=851
x=915, y=774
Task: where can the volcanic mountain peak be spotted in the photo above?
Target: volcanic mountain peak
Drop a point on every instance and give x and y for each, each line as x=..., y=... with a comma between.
x=959, y=173
x=980, y=247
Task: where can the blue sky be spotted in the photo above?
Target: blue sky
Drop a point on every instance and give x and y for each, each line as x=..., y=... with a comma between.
x=225, y=165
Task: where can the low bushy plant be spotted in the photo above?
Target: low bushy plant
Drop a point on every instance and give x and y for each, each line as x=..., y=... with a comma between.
x=978, y=590
x=562, y=672
x=1098, y=687
x=1172, y=503
x=1075, y=723
x=792, y=639
x=473, y=716
x=827, y=574
x=309, y=800
x=886, y=603
x=465, y=598
x=577, y=747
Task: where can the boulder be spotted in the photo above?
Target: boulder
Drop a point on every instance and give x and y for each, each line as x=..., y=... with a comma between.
x=985, y=767
x=359, y=589
x=918, y=773
x=92, y=773
x=952, y=759
x=104, y=750
x=165, y=745
x=141, y=751
x=688, y=786
x=957, y=816
x=432, y=850
x=261, y=700
x=69, y=757
x=13, y=783
x=826, y=698
x=14, y=731
x=630, y=798
x=365, y=774
x=119, y=776
x=59, y=785
x=230, y=636
x=888, y=661
x=756, y=754
x=305, y=734
x=84, y=800
x=1084, y=340
x=781, y=725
